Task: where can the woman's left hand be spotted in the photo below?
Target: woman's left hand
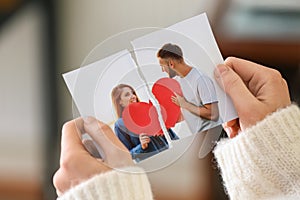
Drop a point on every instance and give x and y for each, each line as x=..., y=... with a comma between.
x=144, y=139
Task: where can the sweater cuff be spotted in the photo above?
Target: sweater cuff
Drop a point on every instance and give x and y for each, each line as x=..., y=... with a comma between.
x=125, y=183
x=264, y=157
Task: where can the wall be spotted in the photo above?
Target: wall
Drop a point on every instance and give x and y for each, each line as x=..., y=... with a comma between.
x=21, y=104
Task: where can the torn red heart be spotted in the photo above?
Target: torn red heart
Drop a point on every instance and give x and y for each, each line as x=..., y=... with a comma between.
x=142, y=117
x=163, y=90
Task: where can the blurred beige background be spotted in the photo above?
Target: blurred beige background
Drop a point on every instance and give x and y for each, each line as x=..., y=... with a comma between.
x=40, y=40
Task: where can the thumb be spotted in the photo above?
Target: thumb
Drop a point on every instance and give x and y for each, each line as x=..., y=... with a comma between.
x=115, y=153
x=233, y=86
x=103, y=135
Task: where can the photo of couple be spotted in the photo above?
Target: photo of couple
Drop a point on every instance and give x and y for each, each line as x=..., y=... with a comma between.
x=109, y=88
x=199, y=104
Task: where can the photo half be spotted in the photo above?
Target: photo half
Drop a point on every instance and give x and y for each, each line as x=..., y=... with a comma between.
x=188, y=53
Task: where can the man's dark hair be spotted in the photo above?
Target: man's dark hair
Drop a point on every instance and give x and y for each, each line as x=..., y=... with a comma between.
x=172, y=51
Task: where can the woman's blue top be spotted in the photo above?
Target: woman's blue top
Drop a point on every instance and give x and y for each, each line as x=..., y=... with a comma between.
x=132, y=142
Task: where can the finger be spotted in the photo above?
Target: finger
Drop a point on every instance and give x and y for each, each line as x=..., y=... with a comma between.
x=177, y=95
x=230, y=132
x=70, y=139
x=174, y=98
x=230, y=123
x=103, y=135
x=145, y=138
x=232, y=127
x=257, y=77
x=234, y=86
x=244, y=68
x=144, y=135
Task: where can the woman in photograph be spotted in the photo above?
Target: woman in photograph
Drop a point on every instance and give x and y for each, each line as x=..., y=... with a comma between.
x=140, y=146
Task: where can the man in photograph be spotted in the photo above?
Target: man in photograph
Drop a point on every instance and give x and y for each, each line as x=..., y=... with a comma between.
x=199, y=103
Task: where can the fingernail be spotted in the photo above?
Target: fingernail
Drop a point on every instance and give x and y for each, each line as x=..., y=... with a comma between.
x=220, y=70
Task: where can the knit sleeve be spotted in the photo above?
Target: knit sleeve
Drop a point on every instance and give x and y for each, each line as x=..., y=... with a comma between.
x=128, y=183
x=264, y=160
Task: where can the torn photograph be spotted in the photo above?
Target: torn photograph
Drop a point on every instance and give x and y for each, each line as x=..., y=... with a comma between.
x=159, y=94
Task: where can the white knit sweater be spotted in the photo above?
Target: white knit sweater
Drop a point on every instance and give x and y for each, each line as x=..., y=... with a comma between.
x=261, y=163
x=130, y=183
x=264, y=161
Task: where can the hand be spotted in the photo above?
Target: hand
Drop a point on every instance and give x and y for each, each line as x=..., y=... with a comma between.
x=76, y=164
x=144, y=140
x=256, y=91
x=178, y=100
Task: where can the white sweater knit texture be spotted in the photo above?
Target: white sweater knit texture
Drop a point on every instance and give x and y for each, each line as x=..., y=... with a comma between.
x=264, y=161
x=129, y=183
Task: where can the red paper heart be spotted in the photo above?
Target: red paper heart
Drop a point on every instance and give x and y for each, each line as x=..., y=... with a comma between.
x=142, y=117
x=163, y=90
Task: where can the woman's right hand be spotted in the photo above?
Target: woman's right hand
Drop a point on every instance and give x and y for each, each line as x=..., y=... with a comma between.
x=144, y=140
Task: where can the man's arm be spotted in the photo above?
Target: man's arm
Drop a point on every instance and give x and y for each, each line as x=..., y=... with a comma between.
x=208, y=111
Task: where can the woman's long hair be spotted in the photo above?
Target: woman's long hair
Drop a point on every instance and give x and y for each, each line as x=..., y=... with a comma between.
x=116, y=97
